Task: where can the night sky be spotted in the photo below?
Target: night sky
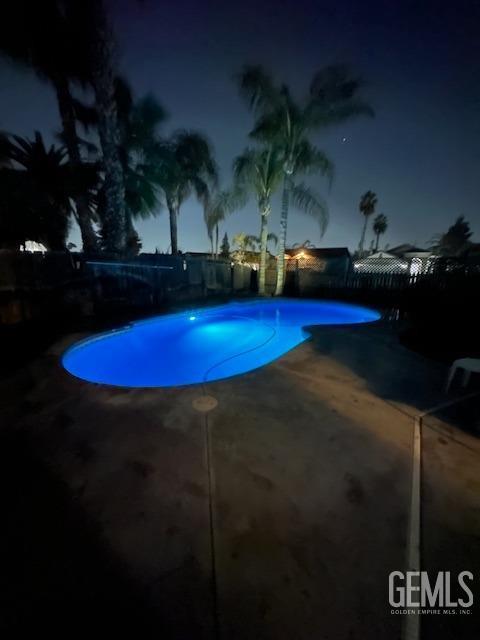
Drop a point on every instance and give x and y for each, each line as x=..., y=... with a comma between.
x=421, y=62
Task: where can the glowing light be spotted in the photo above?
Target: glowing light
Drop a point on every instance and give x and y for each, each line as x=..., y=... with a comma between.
x=229, y=340
x=192, y=317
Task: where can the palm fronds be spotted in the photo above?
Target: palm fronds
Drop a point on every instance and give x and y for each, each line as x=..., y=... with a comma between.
x=309, y=203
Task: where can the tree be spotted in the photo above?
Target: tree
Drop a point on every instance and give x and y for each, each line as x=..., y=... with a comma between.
x=37, y=188
x=288, y=124
x=101, y=50
x=456, y=240
x=185, y=166
x=46, y=37
x=225, y=247
x=243, y=243
x=367, y=206
x=259, y=173
x=138, y=125
x=380, y=225
x=217, y=207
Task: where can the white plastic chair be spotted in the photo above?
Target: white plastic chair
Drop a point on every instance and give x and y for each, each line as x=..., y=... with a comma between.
x=469, y=366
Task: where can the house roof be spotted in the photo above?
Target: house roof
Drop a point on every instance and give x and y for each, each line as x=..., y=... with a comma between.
x=378, y=255
x=322, y=252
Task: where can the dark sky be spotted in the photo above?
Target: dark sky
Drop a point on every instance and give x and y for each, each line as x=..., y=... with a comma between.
x=421, y=61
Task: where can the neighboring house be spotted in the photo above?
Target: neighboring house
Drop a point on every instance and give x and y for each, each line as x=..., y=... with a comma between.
x=330, y=261
x=309, y=269
x=421, y=260
x=381, y=262
x=406, y=258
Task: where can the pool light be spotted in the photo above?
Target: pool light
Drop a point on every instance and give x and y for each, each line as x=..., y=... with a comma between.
x=192, y=317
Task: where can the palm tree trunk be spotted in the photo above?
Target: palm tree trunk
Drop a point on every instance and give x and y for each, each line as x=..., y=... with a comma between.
x=282, y=240
x=263, y=252
x=67, y=115
x=216, y=242
x=376, y=243
x=362, y=237
x=114, y=226
x=173, y=211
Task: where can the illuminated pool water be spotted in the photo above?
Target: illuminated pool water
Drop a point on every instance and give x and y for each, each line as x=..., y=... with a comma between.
x=204, y=345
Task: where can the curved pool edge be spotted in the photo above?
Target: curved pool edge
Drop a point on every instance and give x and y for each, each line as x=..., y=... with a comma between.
x=205, y=312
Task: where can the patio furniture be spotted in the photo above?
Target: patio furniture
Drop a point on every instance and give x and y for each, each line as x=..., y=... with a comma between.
x=468, y=365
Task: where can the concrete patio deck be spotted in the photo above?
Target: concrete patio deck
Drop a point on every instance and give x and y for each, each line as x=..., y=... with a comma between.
x=279, y=514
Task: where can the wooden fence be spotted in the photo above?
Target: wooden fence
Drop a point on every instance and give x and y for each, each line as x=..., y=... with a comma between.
x=33, y=285
x=303, y=280
x=36, y=285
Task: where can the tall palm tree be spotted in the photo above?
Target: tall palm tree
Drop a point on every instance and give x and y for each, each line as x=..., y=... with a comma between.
x=366, y=206
x=94, y=25
x=380, y=225
x=45, y=36
x=185, y=167
x=288, y=124
x=259, y=172
x=138, y=124
x=218, y=206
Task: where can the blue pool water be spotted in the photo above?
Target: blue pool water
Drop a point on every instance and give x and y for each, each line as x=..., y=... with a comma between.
x=204, y=345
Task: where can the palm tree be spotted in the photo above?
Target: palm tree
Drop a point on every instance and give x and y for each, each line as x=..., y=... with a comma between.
x=91, y=21
x=287, y=124
x=218, y=206
x=138, y=124
x=367, y=206
x=46, y=37
x=185, y=166
x=380, y=225
x=37, y=188
x=259, y=172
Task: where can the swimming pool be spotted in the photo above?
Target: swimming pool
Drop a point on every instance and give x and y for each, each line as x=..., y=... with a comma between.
x=205, y=344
